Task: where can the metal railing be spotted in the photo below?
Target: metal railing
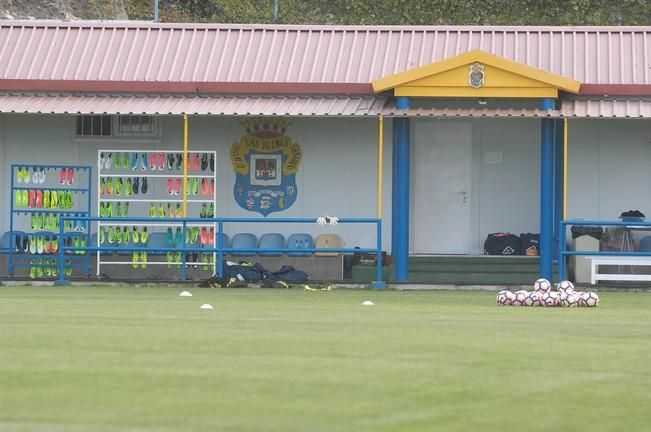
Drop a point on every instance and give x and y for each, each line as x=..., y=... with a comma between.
x=219, y=249
x=563, y=252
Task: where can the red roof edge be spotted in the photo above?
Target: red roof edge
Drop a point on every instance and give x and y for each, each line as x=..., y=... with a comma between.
x=183, y=87
x=615, y=90
x=180, y=87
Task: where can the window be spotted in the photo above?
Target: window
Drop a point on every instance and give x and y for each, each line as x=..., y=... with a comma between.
x=136, y=126
x=124, y=126
x=94, y=126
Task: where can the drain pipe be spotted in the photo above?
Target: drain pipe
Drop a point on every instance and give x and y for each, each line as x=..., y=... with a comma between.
x=155, y=10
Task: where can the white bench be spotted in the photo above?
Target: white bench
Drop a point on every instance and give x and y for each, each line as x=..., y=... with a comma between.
x=596, y=261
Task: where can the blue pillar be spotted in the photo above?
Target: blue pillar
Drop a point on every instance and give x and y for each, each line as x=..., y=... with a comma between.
x=546, y=192
x=401, y=144
x=394, y=203
x=558, y=181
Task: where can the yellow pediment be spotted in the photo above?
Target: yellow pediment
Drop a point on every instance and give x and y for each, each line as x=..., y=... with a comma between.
x=477, y=74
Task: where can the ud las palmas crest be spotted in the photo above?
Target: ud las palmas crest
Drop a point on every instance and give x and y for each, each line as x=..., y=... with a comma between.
x=265, y=161
x=476, y=78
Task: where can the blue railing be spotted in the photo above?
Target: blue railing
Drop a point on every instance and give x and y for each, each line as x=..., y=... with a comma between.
x=219, y=249
x=564, y=252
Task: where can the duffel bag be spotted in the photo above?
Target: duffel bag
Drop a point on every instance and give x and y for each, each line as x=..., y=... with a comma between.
x=530, y=244
x=502, y=244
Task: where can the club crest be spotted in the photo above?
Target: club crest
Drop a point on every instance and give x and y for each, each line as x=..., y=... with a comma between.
x=265, y=161
x=476, y=78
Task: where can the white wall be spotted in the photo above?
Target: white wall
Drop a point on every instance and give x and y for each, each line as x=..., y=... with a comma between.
x=504, y=195
x=609, y=168
x=509, y=198
x=338, y=172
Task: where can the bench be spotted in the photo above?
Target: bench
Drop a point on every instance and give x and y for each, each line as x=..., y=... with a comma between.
x=597, y=261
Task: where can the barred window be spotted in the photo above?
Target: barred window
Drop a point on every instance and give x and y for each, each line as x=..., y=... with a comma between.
x=123, y=126
x=137, y=126
x=94, y=126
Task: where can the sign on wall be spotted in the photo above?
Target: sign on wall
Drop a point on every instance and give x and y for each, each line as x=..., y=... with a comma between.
x=265, y=161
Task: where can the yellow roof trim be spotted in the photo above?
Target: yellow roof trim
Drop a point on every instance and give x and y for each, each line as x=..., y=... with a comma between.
x=551, y=79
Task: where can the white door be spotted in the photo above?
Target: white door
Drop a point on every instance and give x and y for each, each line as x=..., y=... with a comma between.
x=442, y=162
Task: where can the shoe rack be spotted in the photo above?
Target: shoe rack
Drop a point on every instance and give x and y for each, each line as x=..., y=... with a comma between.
x=40, y=196
x=149, y=184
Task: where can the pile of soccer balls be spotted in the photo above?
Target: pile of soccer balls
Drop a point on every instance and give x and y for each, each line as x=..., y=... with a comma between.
x=542, y=295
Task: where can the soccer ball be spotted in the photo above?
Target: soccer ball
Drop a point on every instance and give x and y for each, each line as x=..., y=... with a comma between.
x=502, y=298
x=571, y=300
x=580, y=295
x=533, y=299
x=566, y=286
x=520, y=297
x=542, y=285
x=551, y=299
x=505, y=298
x=590, y=299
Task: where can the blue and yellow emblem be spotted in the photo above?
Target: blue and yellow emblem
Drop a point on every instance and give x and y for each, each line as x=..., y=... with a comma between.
x=265, y=161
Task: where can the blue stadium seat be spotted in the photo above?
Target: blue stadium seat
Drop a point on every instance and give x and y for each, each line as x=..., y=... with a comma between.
x=300, y=241
x=244, y=241
x=271, y=241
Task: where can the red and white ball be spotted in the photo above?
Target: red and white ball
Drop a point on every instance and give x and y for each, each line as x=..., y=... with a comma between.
x=590, y=299
x=542, y=285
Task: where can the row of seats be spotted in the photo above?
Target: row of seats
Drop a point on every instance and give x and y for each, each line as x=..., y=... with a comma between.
x=295, y=242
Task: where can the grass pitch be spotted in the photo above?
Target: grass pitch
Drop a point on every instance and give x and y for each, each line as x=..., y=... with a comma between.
x=143, y=359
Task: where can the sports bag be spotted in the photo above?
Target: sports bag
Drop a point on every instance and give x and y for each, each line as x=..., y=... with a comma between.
x=502, y=244
x=530, y=244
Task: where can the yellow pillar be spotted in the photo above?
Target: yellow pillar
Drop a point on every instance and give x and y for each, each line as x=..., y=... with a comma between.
x=565, y=168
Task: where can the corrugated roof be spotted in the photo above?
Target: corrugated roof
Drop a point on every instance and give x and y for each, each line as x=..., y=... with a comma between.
x=325, y=106
x=607, y=108
x=242, y=105
x=136, y=51
x=391, y=111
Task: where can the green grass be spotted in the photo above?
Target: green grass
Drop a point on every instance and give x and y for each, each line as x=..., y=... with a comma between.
x=143, y=359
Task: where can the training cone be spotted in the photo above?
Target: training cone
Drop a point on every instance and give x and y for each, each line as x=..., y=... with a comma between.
x=206, y=306
x=185, y=294
x=368, y=303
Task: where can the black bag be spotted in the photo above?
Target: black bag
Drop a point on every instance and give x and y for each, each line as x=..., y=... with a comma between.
x=502, y=244
x=530, y=244
x=290, y=274
x=592, y=231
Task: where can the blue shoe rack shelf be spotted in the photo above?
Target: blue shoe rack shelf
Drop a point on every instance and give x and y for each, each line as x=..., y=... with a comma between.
x=48, y=178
